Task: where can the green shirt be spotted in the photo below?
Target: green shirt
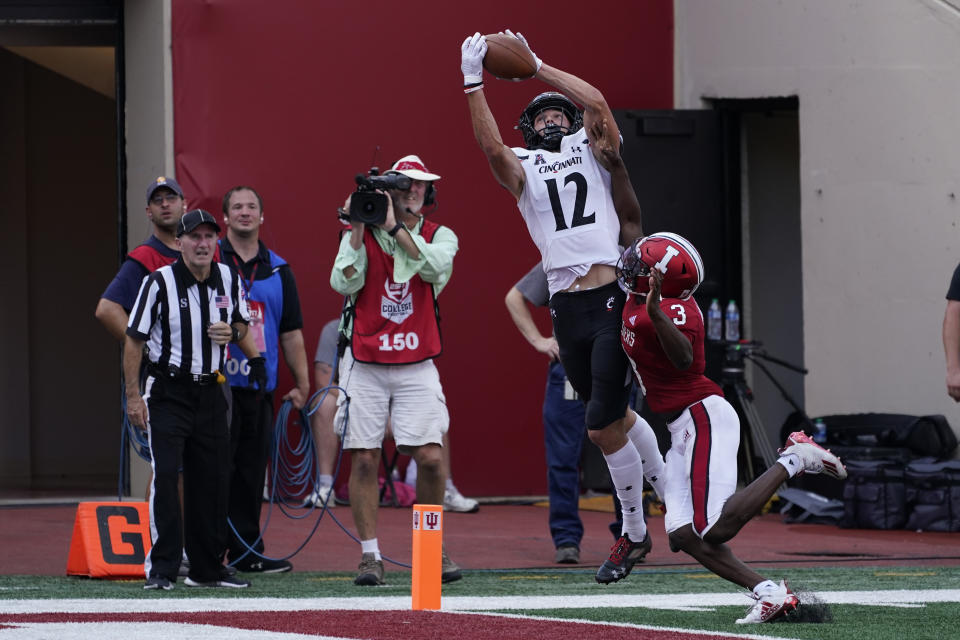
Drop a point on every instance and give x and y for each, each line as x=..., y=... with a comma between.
x=435, y=264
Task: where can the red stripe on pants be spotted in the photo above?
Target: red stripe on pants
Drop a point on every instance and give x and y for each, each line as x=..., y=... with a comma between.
x=700, y=466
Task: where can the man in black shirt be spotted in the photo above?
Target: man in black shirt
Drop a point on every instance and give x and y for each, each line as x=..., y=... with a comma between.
x=276, y=326
x=951, y=336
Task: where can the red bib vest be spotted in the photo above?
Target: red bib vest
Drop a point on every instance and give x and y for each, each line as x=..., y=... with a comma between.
x=394, y=323
x=150, y=258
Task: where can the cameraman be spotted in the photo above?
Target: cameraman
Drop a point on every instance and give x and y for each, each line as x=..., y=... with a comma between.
x=394, y=332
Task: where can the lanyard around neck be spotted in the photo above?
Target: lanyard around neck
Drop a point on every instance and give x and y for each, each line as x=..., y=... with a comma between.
x=247, y=285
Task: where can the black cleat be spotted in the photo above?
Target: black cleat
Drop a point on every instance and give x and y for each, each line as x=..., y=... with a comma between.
x=158, y=582
x=623, y=555
x=264, y=565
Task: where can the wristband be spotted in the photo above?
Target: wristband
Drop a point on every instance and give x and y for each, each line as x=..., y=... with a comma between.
x=393, y=232
x=234, y=334
x=473, y=87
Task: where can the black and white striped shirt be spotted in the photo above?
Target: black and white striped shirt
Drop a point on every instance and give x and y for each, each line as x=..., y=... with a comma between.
x=173, y=311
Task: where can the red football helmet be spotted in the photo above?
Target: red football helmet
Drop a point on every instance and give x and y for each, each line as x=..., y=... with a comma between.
x=673, y=255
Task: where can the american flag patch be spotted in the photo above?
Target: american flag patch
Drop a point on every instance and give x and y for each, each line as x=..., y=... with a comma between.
x=222, y=301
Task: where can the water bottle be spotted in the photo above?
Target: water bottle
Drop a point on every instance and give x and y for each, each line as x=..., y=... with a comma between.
x=714, y=321
x=733, y=323
x=819, y=431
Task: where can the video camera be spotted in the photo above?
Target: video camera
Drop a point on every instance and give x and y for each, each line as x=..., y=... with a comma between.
x=736, y=352
x=368, y=206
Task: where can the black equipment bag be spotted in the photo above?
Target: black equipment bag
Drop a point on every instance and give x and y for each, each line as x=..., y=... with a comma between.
x=832, y=488
x=874, y=496
x=933, y=495
x=900, y=455
x=929, y=435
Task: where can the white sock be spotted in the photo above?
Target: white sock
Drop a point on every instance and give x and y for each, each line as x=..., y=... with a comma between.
x=411, y=475
x=791, y=462
x=325, y=480
x=645, y=440
x=626, y=471
x=450, y=486
x=370, y=546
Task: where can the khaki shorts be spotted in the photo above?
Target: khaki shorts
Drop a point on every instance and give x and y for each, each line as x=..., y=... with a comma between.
x=408, y=397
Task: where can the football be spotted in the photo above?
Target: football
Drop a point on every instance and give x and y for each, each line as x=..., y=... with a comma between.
x=507, y=58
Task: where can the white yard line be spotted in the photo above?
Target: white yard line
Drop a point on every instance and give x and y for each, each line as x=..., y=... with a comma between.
x=143, y=631
x=676, y=602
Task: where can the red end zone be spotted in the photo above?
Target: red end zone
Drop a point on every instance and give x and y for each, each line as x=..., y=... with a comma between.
x=383, y=625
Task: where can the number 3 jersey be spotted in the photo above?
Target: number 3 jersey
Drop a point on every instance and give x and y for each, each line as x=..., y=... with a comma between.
x=666, y=389
x=567, y=206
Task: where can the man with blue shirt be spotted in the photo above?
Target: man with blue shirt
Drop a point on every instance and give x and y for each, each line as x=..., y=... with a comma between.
x=165, y=207
x=276, y=325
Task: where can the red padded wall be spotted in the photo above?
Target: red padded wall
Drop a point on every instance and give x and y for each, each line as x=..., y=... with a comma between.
x=296, y=97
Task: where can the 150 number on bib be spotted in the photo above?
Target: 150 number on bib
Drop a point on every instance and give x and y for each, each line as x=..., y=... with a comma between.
x=399, y=341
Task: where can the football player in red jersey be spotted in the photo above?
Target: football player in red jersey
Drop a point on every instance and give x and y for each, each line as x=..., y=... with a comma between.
x=663, y=336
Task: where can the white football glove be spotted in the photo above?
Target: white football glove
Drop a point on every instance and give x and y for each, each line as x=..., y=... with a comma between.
x=471, y=58
x=519, y=36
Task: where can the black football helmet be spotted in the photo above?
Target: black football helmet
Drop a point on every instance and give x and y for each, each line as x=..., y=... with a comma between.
x=550, y=137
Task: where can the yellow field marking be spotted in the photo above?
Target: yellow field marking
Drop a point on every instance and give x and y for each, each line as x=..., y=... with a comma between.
x=331, y=579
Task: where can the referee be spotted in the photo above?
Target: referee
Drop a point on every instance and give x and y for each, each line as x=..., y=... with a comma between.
x=185, y=314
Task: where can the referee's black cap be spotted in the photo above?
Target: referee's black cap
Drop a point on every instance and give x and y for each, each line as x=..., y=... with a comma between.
x=193, y=219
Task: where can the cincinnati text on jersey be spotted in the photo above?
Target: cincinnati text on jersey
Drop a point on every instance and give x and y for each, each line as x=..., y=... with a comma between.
x=559, y=165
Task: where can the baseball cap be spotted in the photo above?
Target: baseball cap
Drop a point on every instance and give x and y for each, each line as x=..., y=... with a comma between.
x=162, y=181
x=413, y=168
x=193, y=219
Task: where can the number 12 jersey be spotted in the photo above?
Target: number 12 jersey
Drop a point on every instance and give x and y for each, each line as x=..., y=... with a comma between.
x=568, y=209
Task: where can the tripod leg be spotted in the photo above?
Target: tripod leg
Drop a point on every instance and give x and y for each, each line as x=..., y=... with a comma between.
x=745, y=463
x=759, y=434
x=748, y=471
x=753, y=436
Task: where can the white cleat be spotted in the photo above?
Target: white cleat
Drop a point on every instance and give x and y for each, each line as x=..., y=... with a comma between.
x=770, y=606
x=322, y=495
x=815, y=458
x=453, y=500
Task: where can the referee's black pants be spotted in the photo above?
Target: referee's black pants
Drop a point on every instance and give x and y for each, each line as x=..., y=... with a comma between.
x=188, y=428
x=251, y=429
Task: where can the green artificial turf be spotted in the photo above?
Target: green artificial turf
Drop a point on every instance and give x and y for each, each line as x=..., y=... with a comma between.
x=938, y=620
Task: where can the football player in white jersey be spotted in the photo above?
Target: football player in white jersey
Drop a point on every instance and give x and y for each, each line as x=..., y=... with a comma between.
x=563, y=190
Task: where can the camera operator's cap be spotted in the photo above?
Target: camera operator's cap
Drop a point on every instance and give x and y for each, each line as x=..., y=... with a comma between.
x=413, y=168
x=193, y=219
x=162, y=181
